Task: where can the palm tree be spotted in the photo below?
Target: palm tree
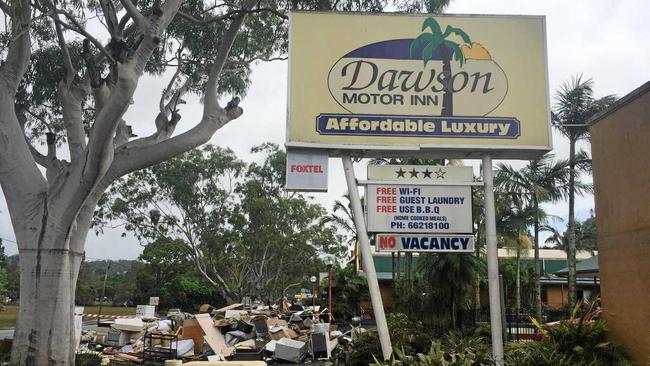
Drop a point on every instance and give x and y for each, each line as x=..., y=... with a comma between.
x=512, y=222
x=437, y=40
x=574, y=105
x=450, y=276
x=585, y=237
x=542, y=180
x=341, y=217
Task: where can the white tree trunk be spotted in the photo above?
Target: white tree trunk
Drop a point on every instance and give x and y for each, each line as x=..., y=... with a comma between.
x=45, y=320
x=51, y=218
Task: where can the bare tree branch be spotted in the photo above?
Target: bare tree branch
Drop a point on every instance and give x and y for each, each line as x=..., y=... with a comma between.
x=67, y=61
x=79, y=29
x=5, y=8
x=230, y=15
x=71, y=99
x=110, y=15
x=75, y=27
x=134, y=14
x=17, y=60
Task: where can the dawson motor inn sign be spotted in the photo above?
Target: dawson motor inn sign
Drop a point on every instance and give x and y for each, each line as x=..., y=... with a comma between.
x=449, y=83
x=453, y=86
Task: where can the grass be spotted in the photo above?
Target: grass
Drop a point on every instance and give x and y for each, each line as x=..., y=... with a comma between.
x=8, y=317
x=10, y=313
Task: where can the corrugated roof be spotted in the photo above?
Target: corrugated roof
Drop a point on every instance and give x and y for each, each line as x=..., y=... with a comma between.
x=587, y=267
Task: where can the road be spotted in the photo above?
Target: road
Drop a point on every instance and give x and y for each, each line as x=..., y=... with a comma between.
x=9, y=333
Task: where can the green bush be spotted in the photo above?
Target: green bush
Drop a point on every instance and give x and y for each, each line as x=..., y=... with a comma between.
x=361, y=351
x=470, y=352
x=410, y=335
x=88, y=359
x=572, y=342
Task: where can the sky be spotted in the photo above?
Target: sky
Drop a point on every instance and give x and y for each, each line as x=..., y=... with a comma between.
x=600, y=39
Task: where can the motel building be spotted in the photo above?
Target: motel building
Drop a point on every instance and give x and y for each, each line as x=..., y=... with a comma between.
x=553, y=279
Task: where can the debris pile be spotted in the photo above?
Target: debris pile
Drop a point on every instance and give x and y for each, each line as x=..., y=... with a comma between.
x=293, y=334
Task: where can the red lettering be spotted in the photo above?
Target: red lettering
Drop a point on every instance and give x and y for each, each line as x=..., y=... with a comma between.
x=388, y=209
x=306, y=168
x=386, y=190
x=387, y=242
x=386, y=199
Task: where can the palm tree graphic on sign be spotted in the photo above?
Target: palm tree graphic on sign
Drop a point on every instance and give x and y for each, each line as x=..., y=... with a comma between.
x=436, y=40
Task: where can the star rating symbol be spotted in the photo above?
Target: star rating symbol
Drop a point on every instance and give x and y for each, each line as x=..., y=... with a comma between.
x=427, y=173
x=440, y=174
x=400, y=173
x=414, y=173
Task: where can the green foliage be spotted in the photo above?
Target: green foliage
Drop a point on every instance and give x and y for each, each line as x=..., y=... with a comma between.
x=452, y=350
x=571, y=342
x=361, y=351
x=409, y=335
x=585, y=233
x=189, y=45
x=413, y=344
x=4, y=283
x=448, y=277
x=88, y=359
x=232, y=223
x=349, y=289
x=437, y=39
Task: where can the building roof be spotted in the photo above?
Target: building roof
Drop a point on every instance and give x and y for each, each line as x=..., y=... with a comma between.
x=630, y=97
x=543, y=254
x=585, y=268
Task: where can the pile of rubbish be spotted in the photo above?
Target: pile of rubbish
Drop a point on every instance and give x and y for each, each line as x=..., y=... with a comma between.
x=267, y=334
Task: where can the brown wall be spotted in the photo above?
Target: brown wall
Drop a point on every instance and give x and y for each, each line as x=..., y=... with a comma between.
x=621, y=160
x=387, y=297
x=556, y=297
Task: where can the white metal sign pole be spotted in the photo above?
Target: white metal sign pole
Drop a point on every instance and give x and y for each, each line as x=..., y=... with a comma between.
x=492, y=261
x=366, y=257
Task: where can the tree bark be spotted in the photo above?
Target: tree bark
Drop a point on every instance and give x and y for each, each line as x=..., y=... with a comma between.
x=45, y=320
x=448, y=96
x=518, y=281
x=571, y=250
x=536, y=269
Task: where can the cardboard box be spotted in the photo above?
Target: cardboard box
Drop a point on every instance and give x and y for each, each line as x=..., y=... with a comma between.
x=192, y=330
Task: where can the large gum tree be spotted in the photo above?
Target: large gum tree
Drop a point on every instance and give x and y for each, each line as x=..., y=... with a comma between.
x=68, y=73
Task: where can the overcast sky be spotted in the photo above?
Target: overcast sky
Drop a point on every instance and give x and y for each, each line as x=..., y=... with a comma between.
x=603, y=40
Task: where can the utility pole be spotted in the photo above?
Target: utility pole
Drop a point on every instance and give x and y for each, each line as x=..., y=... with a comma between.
x=366, y=257
x=101, y=299
x=492, y=261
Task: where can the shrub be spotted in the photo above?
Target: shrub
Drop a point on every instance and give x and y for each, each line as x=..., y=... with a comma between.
x=88, y=359
x=361, y=351
x=572, y=342
x=440, y=354
x=410, y=335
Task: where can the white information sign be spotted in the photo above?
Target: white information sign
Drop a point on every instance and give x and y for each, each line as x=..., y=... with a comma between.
x=306, y=170
x=428, y=243
x=419, y=209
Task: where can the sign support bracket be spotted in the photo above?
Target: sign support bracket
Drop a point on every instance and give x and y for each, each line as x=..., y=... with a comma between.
x=492, y=261
x=367, y=260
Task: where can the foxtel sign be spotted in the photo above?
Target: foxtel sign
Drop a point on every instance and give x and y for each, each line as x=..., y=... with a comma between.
x=443, y=82
x=306, y=170
x=432, y=243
